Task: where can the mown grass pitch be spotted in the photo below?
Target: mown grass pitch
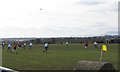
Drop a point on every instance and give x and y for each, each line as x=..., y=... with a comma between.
x=58, y=57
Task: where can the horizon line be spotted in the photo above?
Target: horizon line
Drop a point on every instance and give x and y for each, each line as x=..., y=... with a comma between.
x=58, y=36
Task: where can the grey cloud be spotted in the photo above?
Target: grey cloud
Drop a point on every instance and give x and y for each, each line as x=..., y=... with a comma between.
x=98, y=24
x=65, y=31
x=112, y=33
x=112, y=7
x=105, y=11
x=12, y=19
x=89, y=3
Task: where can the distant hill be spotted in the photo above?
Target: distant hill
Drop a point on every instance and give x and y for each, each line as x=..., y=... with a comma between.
x=99, y=39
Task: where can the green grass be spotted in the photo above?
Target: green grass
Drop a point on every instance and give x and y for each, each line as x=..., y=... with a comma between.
x=57, y=58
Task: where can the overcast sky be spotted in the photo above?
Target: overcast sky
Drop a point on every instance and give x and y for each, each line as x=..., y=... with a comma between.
x=58, y=18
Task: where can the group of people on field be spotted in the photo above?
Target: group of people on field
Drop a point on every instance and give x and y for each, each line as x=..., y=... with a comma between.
x=86, y=44
x=12, y=47
x=19, y=45
x=45, y=48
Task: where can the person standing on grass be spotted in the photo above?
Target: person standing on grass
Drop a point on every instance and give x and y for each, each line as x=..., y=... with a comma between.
x=24, y=45
x=66, y=43
x=61, y=43
x=19, y=45
x=9, y=47
x=3, y=44
x=31, y=45
x=14, y=48
x=46, y=47
x=86, y=44
x=95, y=44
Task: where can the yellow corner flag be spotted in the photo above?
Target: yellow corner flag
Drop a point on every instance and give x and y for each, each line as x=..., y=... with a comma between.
x=104, y=48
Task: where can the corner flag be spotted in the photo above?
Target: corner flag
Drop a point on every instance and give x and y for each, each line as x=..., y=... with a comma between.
x=104, y=48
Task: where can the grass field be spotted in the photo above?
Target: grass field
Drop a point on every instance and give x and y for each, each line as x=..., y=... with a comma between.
x=57, y=58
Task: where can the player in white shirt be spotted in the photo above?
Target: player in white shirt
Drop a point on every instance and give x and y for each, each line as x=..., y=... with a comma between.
x=95, y=44
x=9, y=47
x=31, y=45
x=67, y=43
x=46, y=47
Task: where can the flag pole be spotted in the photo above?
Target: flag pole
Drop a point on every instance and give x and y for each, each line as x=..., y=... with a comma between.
x=101, y=56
